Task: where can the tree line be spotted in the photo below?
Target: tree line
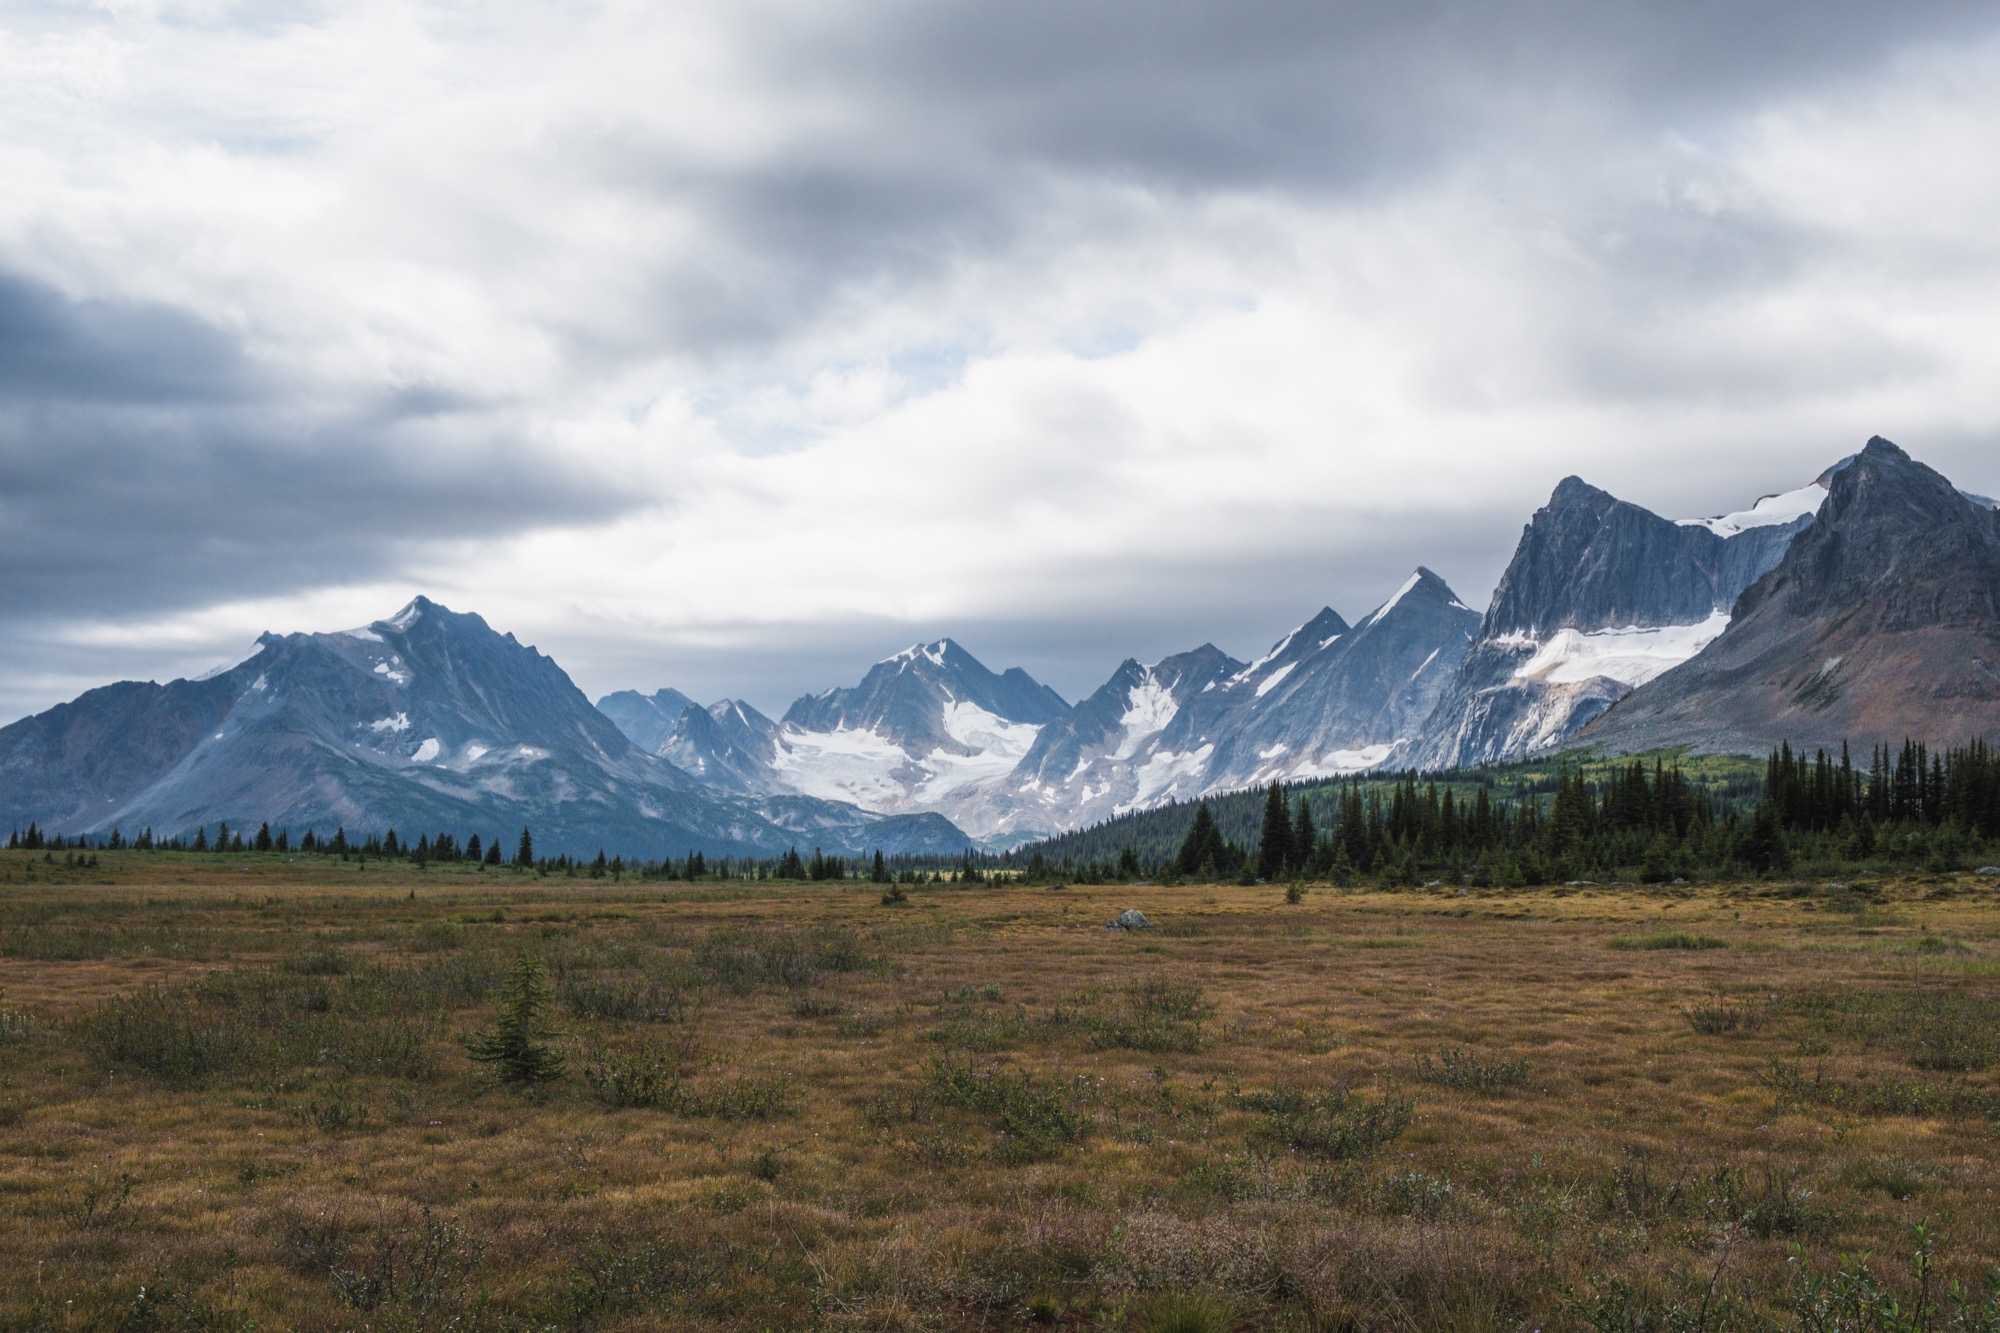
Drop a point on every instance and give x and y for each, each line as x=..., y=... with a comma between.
x=1912, y=806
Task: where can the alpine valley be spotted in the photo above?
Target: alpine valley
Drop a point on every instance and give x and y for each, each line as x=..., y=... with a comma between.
x=1861, y=607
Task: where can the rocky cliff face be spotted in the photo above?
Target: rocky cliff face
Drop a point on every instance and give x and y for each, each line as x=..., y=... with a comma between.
x=646, y=719
x=1882, y=621
x=729, y=744
x=1600, y=597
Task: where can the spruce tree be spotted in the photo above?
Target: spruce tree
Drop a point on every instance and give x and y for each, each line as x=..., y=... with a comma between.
x=1274, y=855
x=524, y=855
x=1199, y=848
x=516, y=1046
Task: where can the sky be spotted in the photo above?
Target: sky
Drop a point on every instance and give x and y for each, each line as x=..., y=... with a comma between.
x=734, y=345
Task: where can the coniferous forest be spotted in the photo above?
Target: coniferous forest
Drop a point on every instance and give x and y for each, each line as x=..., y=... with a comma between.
x=1656, y=819
x=1649, y=818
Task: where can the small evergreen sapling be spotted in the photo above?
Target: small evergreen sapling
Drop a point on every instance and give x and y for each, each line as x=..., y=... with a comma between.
x=517, y=1046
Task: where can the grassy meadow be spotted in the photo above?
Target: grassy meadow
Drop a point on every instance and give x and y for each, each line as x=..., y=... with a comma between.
x=235, y=1093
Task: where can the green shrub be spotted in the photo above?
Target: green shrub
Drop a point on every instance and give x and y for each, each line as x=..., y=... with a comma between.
x=1335, y=1124
x=645, y=1001
x=1468, y=1071
x=1186, y=1312
x=158, y=1032
x=1668, y=939
x=652, y=1080
x=1034, y=1118
x=1719, y=1017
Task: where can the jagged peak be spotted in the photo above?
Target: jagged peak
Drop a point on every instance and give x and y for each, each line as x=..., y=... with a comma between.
x=412, y=612
x=1574, y=489
x=933, y=652
x=1878, y=447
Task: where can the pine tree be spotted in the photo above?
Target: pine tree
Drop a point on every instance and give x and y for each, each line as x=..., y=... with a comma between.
x=516, y=1045
x=1199, y=849
x=1274, y=855
x=524, y=855
x=879, y=872
x=493, y=857
x=1305, y=841
x=264, y=843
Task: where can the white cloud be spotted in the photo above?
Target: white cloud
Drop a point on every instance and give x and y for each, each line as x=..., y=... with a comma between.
x=837, y=361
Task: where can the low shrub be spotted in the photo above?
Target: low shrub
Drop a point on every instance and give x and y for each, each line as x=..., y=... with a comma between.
x=1335, y=1124
x=1668, y=939
x=1719, y=1017
x=1469, y=1071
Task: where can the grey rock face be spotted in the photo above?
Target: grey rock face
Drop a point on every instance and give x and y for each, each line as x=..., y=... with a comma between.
x=646, y=719
x=904, y=698
x=1350, y=699
x=1882, y=621
x=729, y=744
x=1600, y=596
x=427, y=721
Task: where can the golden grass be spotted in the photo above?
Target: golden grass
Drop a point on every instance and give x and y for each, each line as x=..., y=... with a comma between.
x=980, y=1109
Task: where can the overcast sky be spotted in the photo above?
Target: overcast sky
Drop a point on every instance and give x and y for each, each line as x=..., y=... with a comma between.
x=733, y=345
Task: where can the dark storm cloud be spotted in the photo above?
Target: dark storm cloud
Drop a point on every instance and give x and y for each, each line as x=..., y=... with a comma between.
x=146, y=466
x=970, y=130
x=1299, y=91
x=54, y=350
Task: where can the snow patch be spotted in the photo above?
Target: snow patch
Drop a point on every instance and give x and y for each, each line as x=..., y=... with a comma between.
x=1632, y=655
x=406, y=617
x=841, y=765
x=474, y=753
x=1162, y=773
x=1277, y=648
x=386, y=669
x=1770, y=511
x=426, y=752
x=1270, y=682
x=1427, y=663
x=394, y=722
x=1148, y=709
x=363, y=633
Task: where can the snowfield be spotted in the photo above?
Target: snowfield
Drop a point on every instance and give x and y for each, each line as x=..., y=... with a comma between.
x=1632, y=655
x=842, y=765
x=1767, y=512
x=1148, y=710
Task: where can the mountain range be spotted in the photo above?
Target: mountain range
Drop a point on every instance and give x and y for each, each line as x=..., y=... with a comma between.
x=1861, y=606
x=427, y=721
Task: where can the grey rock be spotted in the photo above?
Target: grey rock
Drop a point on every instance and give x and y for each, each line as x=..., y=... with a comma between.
x=1129, y=919
x=1881, y=621
x=1587, y=561
x=1988, y=871
x=646, y=719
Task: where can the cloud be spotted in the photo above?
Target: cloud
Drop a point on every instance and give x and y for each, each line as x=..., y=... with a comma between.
x=732, y=345
x=150, y=466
